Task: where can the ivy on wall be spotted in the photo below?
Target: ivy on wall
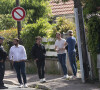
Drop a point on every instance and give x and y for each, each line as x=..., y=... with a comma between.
x=94, y=34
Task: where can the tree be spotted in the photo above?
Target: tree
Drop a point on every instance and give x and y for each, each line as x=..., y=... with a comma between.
x=93, y=32
x=6, y=22
x=35, y=9
x=63, y=25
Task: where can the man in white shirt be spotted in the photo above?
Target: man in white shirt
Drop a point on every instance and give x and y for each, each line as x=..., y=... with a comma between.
x=60, y=49
x=18, y=56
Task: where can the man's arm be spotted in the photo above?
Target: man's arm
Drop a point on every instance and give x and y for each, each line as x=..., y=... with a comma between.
x=33, y=52
x=44, y=50
x=56, y=49
x=11, y=54
x=1, y=55
x=65, y=44
x=24, y=55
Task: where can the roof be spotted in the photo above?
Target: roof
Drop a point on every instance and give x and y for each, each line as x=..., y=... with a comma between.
x=62, y=8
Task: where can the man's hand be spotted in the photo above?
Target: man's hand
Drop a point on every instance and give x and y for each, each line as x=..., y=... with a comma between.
x=61, y=48
x=57, y=50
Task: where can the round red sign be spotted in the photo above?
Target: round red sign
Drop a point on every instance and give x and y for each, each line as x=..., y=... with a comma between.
x=18, y=13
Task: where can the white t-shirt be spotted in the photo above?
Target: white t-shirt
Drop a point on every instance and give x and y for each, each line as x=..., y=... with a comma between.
x=60, y=44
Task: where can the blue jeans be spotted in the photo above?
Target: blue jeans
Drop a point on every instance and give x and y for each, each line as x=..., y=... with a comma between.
x=20, y=70
x=72, y=59
x=62, y=60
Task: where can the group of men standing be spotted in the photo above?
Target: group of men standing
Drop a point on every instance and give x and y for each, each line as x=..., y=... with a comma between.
x=60, y=47
x=18, y=56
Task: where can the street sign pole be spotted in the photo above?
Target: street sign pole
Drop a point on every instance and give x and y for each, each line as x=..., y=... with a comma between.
x=18, y=22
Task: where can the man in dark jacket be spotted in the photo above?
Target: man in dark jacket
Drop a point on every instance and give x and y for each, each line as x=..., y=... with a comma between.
x=38, y=54
x=3, y=56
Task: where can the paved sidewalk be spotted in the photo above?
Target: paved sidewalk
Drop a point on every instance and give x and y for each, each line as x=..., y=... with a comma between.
x=15, y=87
x=54, y=82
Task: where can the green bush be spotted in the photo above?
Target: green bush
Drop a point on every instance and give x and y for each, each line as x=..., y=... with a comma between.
x=9, y=35
x=94, y=41
x=36, y=9
x=41, y=28
x=93, y=34
x=7, y=22
x=63, y=25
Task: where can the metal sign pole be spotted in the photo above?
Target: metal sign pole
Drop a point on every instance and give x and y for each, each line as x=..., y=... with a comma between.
x=18, y=22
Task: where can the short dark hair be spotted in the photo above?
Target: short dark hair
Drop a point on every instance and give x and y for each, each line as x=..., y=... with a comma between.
x=38, y=37
x=16, y=39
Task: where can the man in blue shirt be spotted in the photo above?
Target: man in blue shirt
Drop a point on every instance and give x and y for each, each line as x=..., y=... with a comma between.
x=71, y=41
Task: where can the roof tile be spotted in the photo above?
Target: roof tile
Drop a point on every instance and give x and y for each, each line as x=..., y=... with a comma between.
x=62, y=8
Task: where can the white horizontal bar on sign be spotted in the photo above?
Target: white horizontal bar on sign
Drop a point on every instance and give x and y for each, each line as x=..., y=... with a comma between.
x=51, y=53
x=50, y=46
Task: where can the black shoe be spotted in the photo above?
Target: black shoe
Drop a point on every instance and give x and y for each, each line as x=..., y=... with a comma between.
x=3, y=87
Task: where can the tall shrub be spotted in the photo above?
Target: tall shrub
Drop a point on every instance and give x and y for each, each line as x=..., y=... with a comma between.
x=7, y=22
x=9, y=35
x=41, y=28
x=94, y=40
x=63, y=25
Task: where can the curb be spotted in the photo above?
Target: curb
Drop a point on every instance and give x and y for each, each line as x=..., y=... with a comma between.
x=31, y=85
x=37, y=86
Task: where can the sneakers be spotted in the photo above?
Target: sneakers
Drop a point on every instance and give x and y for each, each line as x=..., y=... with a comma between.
x=25, y=86
x=21, y=86
x=65, y=77
x=42, y=80
x=3, y=87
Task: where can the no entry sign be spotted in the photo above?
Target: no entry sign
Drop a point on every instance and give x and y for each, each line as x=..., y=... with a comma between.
x=18, y=13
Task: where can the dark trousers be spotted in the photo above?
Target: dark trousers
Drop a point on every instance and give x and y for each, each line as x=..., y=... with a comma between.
x=72, y=59
x=20, y=70
x=41, y=68
x=62, y=60
x=2, y=71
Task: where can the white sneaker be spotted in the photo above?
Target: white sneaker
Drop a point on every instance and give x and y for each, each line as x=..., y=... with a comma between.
x=25, y=86
x=44, y=80
x=68, y=76
x=21, y=86
x=41, y=80
x=65, y=77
